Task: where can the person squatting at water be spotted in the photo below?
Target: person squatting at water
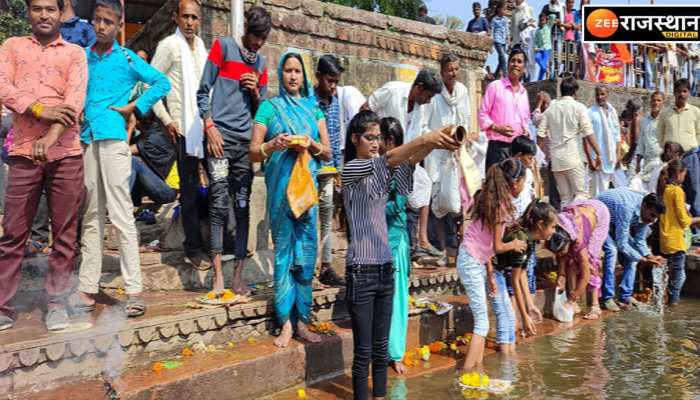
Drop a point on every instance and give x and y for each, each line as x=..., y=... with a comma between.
x=367, y=179
x=577, y=243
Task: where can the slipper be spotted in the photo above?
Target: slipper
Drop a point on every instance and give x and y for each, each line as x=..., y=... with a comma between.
x=203, y=265
x=33, y=248
x=135, y=307
x=432, y=251
x=77, y=306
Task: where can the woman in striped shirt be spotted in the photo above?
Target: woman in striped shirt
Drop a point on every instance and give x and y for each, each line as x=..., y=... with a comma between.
x=367, y=177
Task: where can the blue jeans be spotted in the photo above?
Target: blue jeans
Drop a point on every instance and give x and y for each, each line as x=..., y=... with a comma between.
x=676, y=269
x=628, y=274
x=542, y=60
x=472, y=273
x=502, y=59
x=150, y=183
x=531, y=278
x=696, y=81
x=505, y=318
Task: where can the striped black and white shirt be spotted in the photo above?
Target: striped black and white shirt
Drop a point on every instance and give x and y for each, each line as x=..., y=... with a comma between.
x=366, y=185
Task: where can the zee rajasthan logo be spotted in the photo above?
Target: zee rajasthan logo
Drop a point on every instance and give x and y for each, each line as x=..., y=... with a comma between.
x=641, y=24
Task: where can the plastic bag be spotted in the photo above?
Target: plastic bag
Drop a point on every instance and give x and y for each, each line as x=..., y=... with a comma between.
x=422, y=188
x=447, y=199
x=301, y=189
x=561, y=313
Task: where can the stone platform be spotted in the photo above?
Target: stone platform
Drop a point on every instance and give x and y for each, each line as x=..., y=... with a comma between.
x=32, y=359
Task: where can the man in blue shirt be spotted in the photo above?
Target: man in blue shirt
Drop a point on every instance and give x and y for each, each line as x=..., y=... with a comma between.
x=631, y=213
x=479, y=24
x=113, y=71
x=328, y=74
x=73, y=29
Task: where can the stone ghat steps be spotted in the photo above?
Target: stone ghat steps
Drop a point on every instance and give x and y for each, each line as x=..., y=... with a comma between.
x=250, y=370
x=260, y=370
x=32, y=358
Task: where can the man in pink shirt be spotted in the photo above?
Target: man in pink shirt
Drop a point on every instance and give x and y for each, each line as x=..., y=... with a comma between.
x=504, y=113
x=43, y=80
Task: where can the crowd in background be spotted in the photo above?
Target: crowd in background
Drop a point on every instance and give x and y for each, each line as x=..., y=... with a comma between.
x=96, y=128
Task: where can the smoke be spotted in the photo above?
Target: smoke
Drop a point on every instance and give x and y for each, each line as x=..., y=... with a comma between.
x=113, y=319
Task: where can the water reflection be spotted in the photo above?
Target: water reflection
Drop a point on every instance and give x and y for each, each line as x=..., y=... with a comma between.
x=635, y=355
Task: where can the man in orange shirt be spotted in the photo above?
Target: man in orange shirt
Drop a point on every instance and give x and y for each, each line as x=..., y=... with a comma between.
x=43, y=80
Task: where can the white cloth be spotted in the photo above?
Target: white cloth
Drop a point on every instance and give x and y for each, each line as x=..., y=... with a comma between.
x=600, y=182
x=350, y=99
x=446, y=109
x=648, y=146
x=521, y=18
x=525, y=197
x=192, y=127
x=169, y=60
x=391, y=100
x=606, y=137
x=565, y=123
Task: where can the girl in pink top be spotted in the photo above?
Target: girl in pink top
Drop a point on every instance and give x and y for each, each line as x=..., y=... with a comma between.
x=492, y=208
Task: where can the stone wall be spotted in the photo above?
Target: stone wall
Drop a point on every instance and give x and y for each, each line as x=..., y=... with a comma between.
x=373, y=48
x=618, y=96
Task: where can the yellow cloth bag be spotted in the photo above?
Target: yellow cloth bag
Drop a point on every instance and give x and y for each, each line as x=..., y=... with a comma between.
x=173, y=179
x=301, y=190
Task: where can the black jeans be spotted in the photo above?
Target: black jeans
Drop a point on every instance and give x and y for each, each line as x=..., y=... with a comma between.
x=370, y=291
x=496, y=152
x=188, y=171
x=40, y=227
x=234, y=188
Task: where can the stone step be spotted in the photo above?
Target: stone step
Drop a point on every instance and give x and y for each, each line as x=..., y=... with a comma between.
x=250, y=370
x=257, y=369
x=31, y=358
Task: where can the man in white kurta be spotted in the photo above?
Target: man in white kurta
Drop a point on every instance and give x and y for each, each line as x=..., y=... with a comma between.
x=181, y=57
x=408, y=103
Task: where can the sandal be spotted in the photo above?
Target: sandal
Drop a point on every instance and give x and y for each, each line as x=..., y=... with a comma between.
x=430, y=251
x=135, y=306
x=77, y=306
x=203, y=265
x=33, y=248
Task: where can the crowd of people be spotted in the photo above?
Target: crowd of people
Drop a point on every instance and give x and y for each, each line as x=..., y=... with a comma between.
x=92, y=122
x=553, y=41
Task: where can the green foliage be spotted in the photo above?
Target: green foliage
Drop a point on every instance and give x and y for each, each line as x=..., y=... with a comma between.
x=398, y=8
x=13, y=21
x=450, y=22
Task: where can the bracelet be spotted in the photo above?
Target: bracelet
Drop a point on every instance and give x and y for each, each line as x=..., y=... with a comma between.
x=37, y=110
x=320, y=150
x=209, y=125
x=262, y=150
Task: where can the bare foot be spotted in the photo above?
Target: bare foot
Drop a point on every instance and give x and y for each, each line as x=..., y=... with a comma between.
x=241, y=289
x=398, y=367
x=593, y=314
x=85, y=298
x=577, y=308
x=304, y=333
x=285, y=336
x=238, y=285
x=535, y=314
x=218, y=286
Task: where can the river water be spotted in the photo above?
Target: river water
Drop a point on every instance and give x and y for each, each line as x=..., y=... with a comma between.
x=634, y=355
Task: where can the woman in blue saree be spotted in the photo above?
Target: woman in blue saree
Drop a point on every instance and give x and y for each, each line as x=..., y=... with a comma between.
x=278, y=123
